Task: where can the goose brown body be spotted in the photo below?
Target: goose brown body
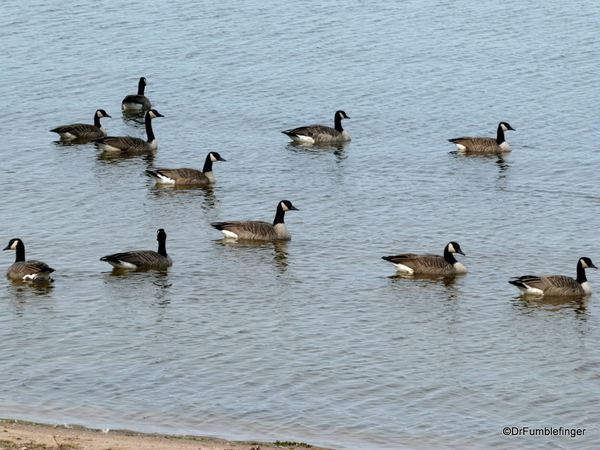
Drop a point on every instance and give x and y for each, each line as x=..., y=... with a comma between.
x=130, y=143
x=321, y=133
x=258, y=229
x=469, y=144
x=187, y=176
x=557, y=285
x=142, y=259
x=137, y=102
x=23, y=269
x=83, y=130
x=429, y=264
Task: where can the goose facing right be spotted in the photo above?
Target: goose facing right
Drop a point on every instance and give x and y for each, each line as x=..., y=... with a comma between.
x=413, y=263
x=557, y=285
x=258, y=229
x=313, y=134
x=137, y=102
x=185, y=176
x=142, y=259
x=31, y=270
x=467, y=144
x=129, y=143
x=83, y=130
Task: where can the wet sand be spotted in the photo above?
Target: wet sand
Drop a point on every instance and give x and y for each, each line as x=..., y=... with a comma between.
x=21, y=435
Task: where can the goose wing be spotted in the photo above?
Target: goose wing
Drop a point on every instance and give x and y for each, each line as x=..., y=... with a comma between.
x=124, y=143
x=183, y=175
x=559, y=285
x=80, y=130
x=250, y=229
x=32, y=267
x=137, y=99
x=479, y=143
x=424, y=263
x=314, y=131
x=142, y=259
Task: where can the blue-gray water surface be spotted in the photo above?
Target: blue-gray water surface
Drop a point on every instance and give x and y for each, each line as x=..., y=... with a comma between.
x=316, y=339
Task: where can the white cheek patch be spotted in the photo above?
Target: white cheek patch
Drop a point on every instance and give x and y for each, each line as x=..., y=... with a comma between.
x=451, y=248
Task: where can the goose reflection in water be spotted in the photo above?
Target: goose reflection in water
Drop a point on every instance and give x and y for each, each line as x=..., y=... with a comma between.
x=280, y=253
x=337, y=149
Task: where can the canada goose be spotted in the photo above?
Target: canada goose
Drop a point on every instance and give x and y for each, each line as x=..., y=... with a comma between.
x=142, y=259
x=258, y=229
x=413, y=263
x=185, y=176
x=138, y=102
x=557, y=285
x=320, y=133
x=484, y=144
x=26, y=270
x=83, y=130
x=131, y=144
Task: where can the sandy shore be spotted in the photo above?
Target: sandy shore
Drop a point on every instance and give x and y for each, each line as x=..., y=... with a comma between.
x=20, y=435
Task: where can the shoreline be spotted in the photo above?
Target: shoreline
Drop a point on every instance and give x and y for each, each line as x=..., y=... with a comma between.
x=20, y=434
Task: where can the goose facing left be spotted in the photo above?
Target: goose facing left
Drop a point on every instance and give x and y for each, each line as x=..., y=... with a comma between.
x=83, y=130
x=258, y=229
x=557, y=285
x=142, y=259
x=186, y=176
x=413, y=263
x=129, y=143
x=22, y=269
x=137, y=102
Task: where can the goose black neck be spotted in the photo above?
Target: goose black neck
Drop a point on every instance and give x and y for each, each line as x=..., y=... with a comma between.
x=337, y=120
x=500, y=135
x=162, y=246
x=20, y=252
x=141, y=87
x=149, y=131
x=279, y=215
x=96, y=120
x=449, y=256
x=581, y=278
x=207, y=164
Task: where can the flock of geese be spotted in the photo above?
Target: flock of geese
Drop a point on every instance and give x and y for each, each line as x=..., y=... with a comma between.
x=407, y=263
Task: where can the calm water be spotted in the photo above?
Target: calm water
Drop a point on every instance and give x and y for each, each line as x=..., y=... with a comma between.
x=312, y=340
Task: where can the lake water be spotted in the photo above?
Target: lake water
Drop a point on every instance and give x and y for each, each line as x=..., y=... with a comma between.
x=316, y=339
